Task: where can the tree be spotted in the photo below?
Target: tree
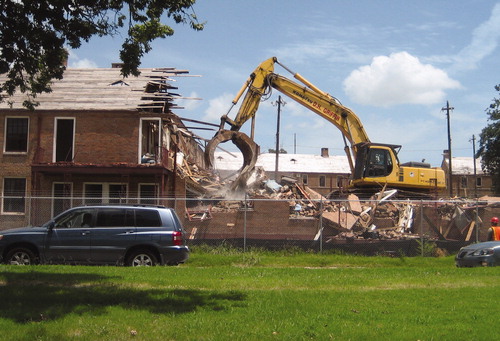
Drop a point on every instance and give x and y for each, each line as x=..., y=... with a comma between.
x=489, y=142
x=35, y=35
x=281, y=151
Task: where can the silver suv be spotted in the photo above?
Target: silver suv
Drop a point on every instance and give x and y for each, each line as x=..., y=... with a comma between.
x=129, y=235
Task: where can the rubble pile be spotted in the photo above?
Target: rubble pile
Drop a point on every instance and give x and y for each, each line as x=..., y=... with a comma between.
x=379, y=218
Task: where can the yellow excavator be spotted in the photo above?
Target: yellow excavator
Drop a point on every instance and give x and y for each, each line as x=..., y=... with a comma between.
x=373, y=165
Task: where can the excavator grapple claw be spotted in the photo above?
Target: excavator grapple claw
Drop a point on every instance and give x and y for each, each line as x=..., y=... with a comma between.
x=245, y=144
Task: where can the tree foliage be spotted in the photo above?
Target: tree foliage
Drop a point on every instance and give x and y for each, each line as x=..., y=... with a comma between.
x=489, y=142
x=35, y=35
x=281, y=151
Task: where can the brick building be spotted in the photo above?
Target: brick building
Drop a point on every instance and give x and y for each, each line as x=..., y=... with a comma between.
x=466, y=183
x=96, y=138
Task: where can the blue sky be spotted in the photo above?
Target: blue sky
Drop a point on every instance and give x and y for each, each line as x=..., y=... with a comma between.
x=394, y=63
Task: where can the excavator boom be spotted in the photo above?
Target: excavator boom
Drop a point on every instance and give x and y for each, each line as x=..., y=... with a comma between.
x=373, y=165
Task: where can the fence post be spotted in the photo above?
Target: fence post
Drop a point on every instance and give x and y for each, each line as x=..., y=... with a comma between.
x=245, y=207
x=321, y=225
x=476, y=225
x=421, y=228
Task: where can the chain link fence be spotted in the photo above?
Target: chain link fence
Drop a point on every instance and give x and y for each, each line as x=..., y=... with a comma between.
x=386, y=227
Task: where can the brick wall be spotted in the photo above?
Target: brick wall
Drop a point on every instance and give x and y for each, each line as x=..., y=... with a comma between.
x=269, y=220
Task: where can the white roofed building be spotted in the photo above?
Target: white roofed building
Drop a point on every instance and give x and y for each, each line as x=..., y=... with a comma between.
x=467, y=181
x=322, y=173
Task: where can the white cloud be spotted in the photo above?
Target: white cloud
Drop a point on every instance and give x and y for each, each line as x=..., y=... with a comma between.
x=398, y=79
x=75, y=61
x=334, y=51
x=83, y=64
x=217, y=107
x=485, y=40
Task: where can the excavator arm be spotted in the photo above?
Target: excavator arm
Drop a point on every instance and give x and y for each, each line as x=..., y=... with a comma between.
x=263, y=78
x=365, y=170
x=258, y=86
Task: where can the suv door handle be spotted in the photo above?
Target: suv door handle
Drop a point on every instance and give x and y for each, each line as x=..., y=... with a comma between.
x=84, y=233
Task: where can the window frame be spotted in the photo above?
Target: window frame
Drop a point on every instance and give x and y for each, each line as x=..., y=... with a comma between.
x=305, y=179
x=320, y=182
x=157, y=154
x=5, y=196
x=148, y=200
x=464, y=182
x=104, y=197
x=6, y=125
x=54, y=142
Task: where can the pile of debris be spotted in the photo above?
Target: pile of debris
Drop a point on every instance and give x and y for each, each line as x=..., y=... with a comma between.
x=351, y=218
x=380, y=217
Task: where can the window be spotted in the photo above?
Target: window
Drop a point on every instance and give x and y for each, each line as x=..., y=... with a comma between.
x=14, y=192
x=322, y=181
x=93, y=194
x=379, y=163
x=464, y=182
x=115, y=217
x=148, y=194
x=62, y=193
x=117, y=193
x=75, y=219
x=150, y=140
x=304, y=179
x=147, y=218
x=16, y=135
x=479, y=182
x=109, y=193
x=64, y=139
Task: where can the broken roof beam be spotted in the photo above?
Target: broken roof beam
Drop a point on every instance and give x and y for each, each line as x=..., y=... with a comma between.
x=169, y=69
x=200, y=122
x=158, y=99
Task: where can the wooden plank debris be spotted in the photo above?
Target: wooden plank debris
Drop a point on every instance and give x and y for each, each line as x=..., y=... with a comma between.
x=199, y=214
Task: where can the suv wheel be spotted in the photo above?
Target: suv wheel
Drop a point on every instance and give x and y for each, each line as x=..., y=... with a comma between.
x=142, y=258
x=21, y=256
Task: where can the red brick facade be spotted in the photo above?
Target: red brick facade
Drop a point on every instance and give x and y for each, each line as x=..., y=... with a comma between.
x=105, y=160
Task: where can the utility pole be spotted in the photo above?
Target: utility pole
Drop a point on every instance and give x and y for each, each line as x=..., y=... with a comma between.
x=450, y=181
x=279, y=102
x=476, y=220
x=474, y=160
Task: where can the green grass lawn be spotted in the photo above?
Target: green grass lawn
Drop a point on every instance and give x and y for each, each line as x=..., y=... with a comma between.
x=253, y=296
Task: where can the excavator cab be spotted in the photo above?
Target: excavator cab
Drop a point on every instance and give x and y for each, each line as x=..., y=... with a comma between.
x=377, y=161
x=377, y=165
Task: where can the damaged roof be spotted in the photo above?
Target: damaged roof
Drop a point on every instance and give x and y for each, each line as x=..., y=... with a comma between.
x=105, y=89
x=287, y=163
